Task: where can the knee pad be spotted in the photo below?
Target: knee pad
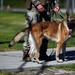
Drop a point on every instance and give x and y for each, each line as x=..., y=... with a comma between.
x=32, y=44
x=31, y=16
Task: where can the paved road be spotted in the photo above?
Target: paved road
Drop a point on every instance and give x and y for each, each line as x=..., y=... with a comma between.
x=12, y=61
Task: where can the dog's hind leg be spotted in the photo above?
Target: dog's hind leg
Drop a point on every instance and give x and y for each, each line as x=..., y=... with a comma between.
x=38, y=42
x=32, y=47
x=64, y=51
x=36, y=52
x=33, y=53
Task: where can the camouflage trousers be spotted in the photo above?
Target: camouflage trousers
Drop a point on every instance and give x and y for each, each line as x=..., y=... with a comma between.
x=31, y=18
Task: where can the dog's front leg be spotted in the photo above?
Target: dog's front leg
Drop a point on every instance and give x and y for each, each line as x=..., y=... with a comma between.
x=36, y=55
x=59, y=45
x=64, y=51
x=64, y=48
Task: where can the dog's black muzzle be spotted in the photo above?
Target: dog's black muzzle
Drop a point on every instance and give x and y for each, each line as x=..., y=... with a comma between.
x=71, y=25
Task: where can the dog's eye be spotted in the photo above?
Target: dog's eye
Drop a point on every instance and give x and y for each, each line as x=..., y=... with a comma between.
x=72, y=20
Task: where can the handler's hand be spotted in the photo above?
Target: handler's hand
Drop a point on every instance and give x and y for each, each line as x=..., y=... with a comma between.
x=56, y=9
x=40, y=8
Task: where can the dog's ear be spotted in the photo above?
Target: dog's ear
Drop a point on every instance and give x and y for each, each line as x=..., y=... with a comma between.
x=68, y=16
x=67, y=13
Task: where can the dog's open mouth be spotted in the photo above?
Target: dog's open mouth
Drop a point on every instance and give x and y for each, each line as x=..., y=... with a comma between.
x=70, y=31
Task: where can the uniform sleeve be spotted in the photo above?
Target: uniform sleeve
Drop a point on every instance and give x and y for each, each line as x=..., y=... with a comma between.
x=56, y=3
x=35, y=2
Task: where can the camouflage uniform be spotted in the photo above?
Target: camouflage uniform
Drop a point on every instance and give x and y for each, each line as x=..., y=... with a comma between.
x=33, y=16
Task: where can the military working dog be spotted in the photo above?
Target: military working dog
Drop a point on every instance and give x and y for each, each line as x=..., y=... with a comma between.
x=56, y=31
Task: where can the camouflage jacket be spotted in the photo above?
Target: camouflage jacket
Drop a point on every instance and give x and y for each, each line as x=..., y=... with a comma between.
x=35, y=2
x=29, y=3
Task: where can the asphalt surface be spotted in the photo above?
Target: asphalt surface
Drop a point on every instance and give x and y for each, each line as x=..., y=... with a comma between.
x=12, y=61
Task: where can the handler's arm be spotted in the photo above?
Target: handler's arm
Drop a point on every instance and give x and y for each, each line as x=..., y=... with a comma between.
x=41, y=9
x=38, y=5
x=57, y=8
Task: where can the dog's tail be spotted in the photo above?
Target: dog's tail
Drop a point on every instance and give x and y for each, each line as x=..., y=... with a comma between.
x=17, y=37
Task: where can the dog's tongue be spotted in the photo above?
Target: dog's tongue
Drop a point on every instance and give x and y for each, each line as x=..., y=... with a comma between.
x=70, y=31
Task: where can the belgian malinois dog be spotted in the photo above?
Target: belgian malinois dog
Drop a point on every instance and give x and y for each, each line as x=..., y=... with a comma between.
x=56, y=31
x=71, y=22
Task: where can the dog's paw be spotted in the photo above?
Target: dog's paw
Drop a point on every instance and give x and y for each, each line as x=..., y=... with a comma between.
x=33, y=60
x=60, y=61
x=65, y=60
x=40, y=62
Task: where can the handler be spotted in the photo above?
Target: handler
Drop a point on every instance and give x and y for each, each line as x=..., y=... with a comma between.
x=36, y=11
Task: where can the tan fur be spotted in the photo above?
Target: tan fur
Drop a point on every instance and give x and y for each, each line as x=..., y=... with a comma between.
x=56, y=31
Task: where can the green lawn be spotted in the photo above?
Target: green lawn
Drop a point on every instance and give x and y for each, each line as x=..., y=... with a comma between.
x=10, y=24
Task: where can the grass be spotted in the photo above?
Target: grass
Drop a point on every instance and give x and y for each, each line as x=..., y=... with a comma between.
x=8, y=73
x=10, y=24
x=70, y=67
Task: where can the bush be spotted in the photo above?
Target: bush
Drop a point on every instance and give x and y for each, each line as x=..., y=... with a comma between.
x=14, y=3
x=21, y=3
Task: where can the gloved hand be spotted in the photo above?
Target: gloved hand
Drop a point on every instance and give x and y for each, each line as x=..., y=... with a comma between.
x=40, y=8
x=56, y=9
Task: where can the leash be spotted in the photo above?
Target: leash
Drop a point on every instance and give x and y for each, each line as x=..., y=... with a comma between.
x=52, y=49
x=60, y=13
x=62, y=18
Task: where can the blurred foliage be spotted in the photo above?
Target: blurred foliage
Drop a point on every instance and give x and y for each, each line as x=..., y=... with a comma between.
x=21, y=3
x=14, y=3
x=62, y=3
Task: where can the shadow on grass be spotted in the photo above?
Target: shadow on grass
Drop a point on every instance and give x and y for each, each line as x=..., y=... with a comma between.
x=3, y=42
x=73, y=36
